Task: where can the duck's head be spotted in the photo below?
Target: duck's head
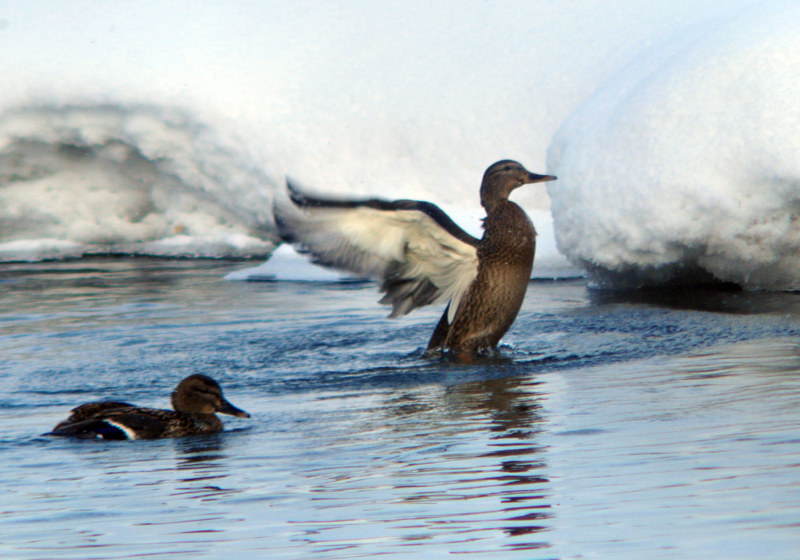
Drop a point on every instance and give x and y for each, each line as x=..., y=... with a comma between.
x=199, y=394
x=503, y=177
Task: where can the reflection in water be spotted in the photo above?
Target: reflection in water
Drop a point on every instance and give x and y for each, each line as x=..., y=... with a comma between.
x=202, y=451
x=126, y=285
x=204, y=461
x=719, y=298
x=516, y=417
x=428, y=475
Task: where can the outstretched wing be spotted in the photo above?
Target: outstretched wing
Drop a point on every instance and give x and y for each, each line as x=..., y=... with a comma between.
x=420, y=255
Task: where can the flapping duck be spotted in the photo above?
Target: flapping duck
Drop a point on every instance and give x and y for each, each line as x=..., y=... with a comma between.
x=422, y=257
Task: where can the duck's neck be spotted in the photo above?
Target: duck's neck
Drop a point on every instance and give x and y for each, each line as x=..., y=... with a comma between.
x=490, y=203
x=494, y=193
x=209, y=422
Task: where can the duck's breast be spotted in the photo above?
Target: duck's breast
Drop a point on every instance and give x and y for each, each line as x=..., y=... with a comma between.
x=505, y=260
x=505, y=254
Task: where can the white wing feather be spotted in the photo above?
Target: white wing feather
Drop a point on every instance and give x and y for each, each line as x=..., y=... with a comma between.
x=405, y=248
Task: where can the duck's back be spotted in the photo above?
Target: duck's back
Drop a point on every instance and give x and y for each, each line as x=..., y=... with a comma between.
x=90, y=410
x=122, y=421
x=505, y=260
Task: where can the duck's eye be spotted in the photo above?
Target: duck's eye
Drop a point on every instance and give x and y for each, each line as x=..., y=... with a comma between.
x=507, y=168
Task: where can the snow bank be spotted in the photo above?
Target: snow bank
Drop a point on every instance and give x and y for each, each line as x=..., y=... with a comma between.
x=686, y=165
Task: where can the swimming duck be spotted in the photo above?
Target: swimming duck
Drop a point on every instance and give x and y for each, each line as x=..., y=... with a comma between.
x=421, y=256
x=195, y=402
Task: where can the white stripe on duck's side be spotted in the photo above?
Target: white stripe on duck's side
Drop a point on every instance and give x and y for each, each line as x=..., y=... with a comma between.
x=130, y=433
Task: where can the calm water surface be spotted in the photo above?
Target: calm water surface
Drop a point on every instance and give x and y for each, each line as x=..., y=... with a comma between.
x=613, y=424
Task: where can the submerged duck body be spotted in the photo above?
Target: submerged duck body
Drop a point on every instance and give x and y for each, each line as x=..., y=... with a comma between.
x=423, y=257
x=195, y=402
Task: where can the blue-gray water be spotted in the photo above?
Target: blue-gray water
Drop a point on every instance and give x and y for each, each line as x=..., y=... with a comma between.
x=659, y=424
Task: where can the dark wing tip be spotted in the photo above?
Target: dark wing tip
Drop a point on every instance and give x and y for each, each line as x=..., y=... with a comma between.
x=90, y=429
x=294, y=193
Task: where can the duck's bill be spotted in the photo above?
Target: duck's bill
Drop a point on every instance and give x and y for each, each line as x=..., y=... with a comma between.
x=534, y=178
x=228, y=408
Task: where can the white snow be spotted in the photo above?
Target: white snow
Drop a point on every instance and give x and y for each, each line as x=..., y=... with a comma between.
x=136, y=180
x=686, y=164
x=285, y=264
x=164, y=127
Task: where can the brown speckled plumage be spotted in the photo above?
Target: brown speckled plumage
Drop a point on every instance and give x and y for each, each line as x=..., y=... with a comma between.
x=421, y=256
x=505, y=261
x=196, y=400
